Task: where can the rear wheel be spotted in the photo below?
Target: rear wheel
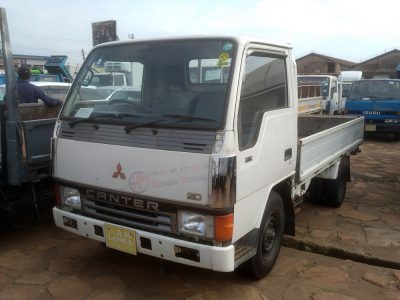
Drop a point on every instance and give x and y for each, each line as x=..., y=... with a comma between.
x=335, y=189
x=315, y=191
x=269, y=237
x=330, y=192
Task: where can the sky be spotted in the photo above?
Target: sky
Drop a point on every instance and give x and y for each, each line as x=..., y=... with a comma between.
x=353, y=30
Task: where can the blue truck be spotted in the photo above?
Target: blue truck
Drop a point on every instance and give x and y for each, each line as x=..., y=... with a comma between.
x=378, y=100
x=56, y=71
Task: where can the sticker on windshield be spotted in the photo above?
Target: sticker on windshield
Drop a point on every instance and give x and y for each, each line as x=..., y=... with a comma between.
x=84, y=112
x=223, y=59
x=227, y=46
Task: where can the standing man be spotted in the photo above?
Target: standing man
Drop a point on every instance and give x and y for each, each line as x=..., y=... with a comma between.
x=29, y=93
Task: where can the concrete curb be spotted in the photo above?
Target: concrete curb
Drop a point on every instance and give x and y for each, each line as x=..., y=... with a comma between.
x=296, y=243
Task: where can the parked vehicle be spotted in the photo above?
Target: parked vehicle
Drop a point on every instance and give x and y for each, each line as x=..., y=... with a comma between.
x=25, y=130
x=55, y=68
x=310, y=98
x=331, y=88
x=205, y=173
x=116, y=74
x=378, y=100
x=108, y=79
x=347, y=78
x=56, y=90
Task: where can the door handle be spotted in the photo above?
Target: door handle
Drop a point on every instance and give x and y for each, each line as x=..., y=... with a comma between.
x=288, y=154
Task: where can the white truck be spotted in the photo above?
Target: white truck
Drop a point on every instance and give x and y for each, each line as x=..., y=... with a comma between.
x=310, y=98
x=347, y=78
x=331, y=91
x=204, y=172
x=116, y=74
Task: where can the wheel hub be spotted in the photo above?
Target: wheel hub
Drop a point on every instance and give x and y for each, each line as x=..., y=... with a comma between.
x=269, y=237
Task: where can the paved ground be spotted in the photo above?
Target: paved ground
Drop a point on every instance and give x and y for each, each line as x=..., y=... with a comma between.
x=39, y=261
x=43, y=262
x=368, y=222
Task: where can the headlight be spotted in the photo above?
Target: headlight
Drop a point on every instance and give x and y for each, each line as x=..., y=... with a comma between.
x=70, y=197
x=195, y=224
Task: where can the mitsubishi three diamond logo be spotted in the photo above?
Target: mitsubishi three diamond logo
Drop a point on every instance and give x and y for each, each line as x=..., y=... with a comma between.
x=118, y=172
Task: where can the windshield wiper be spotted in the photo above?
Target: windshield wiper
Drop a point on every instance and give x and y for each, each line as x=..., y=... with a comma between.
x=190, y=118
x=96, y=117
x=128, y=128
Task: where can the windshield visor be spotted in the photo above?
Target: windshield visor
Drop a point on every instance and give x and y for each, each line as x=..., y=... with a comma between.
x=156, y=80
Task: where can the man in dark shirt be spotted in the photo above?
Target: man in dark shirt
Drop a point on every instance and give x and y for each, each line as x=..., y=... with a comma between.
x=29, y=93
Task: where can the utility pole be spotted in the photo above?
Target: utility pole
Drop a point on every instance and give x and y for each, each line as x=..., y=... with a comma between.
x=83, y=54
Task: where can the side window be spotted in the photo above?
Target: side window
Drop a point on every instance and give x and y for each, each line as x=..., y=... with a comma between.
x=264, y=88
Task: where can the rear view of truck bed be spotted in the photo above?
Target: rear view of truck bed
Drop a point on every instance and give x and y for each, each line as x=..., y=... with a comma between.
x=323, y=140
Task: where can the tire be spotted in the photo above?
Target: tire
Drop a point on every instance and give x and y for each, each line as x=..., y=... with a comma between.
x=334, y=190
x=269, y=237
x=315, y=191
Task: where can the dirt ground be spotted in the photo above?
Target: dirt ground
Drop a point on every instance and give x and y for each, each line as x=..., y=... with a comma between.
x=40, y=261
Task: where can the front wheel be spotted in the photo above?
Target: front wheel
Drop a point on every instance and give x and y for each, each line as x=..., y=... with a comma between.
x=269, y=237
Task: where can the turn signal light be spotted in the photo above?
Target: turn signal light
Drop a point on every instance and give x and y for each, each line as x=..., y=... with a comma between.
x=223, y=226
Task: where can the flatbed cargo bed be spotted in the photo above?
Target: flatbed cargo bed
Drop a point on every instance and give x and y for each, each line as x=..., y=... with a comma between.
x=322, y=140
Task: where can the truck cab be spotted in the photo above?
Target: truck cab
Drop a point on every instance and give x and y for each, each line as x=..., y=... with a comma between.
x=378, y=100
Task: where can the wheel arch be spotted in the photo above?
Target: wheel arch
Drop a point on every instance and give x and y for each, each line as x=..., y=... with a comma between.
x=283, y=189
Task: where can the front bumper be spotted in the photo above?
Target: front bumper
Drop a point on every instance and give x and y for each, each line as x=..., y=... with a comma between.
x=382, y=127
x=210, y=257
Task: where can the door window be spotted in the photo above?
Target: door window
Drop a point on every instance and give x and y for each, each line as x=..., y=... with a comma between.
x=264, y=88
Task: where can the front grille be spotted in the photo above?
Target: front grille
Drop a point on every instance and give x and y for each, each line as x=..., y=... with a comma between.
x=131, y=217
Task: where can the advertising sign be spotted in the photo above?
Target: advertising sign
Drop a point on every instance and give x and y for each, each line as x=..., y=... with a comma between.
x=103, y=32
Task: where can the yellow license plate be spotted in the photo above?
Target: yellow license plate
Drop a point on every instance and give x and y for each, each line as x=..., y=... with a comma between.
x=369, y=127
x=121, y=239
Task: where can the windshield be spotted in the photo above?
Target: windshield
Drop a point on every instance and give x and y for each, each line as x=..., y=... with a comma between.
x=375, y=90
x=323, y=82
x=313, y=81
x=184, y=80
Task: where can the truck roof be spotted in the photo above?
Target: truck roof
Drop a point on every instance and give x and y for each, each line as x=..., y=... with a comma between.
x=243, y=40
x=350, y=75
